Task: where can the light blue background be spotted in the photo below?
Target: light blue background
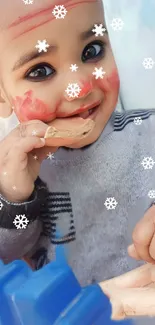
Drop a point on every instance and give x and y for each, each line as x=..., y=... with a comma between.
x=131, y=45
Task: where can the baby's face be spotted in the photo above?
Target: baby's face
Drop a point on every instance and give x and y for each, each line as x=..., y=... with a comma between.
x=42, y=85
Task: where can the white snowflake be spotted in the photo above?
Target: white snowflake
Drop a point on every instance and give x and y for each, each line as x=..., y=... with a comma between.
x=4, y=173
x=73, y=90
x=28, y=2
x=42, y=46
x=73, y=67
x=151, y=194
x=148, y=163
x=99, y=73
x=59, y=12
x=148, y=63
x=34, y=132
x=138, y=120
x=110, y=203
x=117, y=24
x=50, y=156
x=35, y=157
x=20, y=221
x=99, y=30
x=1, y=205
x=14, y=187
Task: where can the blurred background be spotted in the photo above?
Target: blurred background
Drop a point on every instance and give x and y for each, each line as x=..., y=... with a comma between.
x=131, y=28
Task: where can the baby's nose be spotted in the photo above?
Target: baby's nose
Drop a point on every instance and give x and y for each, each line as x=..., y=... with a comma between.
x=79, y=89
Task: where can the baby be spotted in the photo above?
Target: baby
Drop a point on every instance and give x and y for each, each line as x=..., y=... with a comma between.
x=94, y=189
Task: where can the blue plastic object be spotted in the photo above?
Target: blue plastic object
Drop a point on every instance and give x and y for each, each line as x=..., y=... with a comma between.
x=50, y=296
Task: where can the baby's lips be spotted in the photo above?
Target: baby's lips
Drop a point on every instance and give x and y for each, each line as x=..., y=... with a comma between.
x=67, y=131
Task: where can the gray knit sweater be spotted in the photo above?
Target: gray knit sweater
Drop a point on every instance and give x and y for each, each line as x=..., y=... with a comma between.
x=98, y=194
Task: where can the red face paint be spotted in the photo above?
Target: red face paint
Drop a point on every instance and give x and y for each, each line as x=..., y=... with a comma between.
x=44, y=12
x=29, y=108
x=47, y=10
x=109, y=82
x=86, y=88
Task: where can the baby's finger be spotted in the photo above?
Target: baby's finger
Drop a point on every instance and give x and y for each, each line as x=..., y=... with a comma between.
x=143, y=234
x=152, y=248
x=139, y=277
x=19, y=152
x=28, y=129
x=133, y=253
x=133, y=302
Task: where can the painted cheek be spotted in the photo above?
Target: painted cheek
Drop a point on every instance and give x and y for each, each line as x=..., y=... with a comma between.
x=110, y=83
x=86, y=88
x=30, y=108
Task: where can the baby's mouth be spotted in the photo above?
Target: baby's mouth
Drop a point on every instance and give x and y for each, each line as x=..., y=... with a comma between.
x=88, y=113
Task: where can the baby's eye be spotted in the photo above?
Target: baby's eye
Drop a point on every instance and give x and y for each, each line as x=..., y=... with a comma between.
x=39, y=72
x=93, y=50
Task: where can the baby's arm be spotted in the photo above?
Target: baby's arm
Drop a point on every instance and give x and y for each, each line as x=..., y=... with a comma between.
x=16, y=243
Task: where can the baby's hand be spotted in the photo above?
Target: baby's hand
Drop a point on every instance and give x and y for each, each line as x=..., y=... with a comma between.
x=143, y=247
x=133, y=293
x=21, y=154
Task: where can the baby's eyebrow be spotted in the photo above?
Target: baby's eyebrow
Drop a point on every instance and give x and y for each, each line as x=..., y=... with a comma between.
x=26, y=58
x=89, y=33
x=31, y=56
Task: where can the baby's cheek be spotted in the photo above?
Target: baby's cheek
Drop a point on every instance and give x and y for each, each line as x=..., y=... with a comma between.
x=110, y=83
x=28, y=108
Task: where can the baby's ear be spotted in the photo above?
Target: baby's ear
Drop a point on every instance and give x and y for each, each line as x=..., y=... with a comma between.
x=2, y=100
x=5, y=108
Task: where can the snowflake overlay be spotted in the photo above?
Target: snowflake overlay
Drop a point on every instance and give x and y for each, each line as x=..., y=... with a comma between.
x=34, y=132
x=73, y=67
x=110, y=203
x=21, y=221
x=59, y=12
x=28, y=2
x=99, y=73
x=73, y=90
x=42, y=46
x=35, y=157
x=138, y=120
x=148, y=163
x=50, y=156
x=117, y=24
x=151, y=194
x=148, y=63
x=1, y=205
x=99, y=30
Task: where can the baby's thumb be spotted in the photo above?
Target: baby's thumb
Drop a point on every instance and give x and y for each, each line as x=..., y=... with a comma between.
x=133, y=253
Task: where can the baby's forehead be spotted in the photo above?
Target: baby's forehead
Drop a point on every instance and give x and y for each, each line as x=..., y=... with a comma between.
x=18, y=18
x=12, y=11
